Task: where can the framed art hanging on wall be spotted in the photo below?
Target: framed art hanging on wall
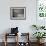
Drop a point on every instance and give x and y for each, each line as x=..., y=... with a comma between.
x=17, y=13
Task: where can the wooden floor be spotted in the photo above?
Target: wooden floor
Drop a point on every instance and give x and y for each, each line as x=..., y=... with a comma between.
x=13, y=44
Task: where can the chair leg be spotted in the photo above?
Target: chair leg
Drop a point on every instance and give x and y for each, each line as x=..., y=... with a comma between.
x=5, y=43
x=5, y=40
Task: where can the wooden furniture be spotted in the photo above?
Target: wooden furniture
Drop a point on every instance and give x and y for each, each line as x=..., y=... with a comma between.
x=27, y=43
x=8, y=34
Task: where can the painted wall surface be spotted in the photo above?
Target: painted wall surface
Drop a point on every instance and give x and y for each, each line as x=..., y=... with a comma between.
x=24, y=25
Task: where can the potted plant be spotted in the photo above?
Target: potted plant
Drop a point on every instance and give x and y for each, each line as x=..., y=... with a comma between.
x=39, y=35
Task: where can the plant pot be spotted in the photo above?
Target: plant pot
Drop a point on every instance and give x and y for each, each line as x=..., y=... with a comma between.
x=40, y=41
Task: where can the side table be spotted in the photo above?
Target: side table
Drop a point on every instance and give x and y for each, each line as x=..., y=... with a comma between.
x=8, y=34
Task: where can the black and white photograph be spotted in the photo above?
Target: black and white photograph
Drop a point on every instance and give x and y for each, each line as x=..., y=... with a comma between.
x=17, y=13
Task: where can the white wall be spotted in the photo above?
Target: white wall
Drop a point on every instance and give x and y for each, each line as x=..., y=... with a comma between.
x=24, y=25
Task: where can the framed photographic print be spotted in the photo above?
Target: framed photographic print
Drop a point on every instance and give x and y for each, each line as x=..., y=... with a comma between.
x=17, y=13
